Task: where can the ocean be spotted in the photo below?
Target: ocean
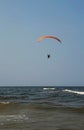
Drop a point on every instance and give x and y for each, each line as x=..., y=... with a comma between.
x=41, y=108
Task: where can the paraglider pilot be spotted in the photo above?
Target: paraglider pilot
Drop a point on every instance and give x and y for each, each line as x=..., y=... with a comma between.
x=48, y=56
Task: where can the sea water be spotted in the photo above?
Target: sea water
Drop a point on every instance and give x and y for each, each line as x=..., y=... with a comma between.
x=41, y=108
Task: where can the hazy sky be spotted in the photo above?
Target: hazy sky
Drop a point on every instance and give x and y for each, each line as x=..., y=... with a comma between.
x=23, y=61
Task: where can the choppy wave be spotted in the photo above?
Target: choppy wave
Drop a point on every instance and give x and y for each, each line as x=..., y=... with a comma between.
x=71, y=91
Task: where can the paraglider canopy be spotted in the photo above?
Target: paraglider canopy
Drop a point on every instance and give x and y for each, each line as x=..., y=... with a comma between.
x=53, y=37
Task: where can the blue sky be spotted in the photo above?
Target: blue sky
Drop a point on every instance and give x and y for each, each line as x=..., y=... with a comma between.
x=23, y=61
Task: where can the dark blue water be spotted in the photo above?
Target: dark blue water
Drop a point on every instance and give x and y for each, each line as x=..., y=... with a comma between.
x=39, y=108
x=70, y=96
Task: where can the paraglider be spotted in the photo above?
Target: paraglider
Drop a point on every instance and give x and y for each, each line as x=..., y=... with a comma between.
x=52, y=37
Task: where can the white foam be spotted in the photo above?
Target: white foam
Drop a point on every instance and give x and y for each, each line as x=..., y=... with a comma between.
x=4, y=102
x=71, y=91
x=48, y=88
x=13, y=117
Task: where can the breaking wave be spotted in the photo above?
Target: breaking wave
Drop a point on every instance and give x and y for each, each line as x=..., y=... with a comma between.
x=71, y=91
